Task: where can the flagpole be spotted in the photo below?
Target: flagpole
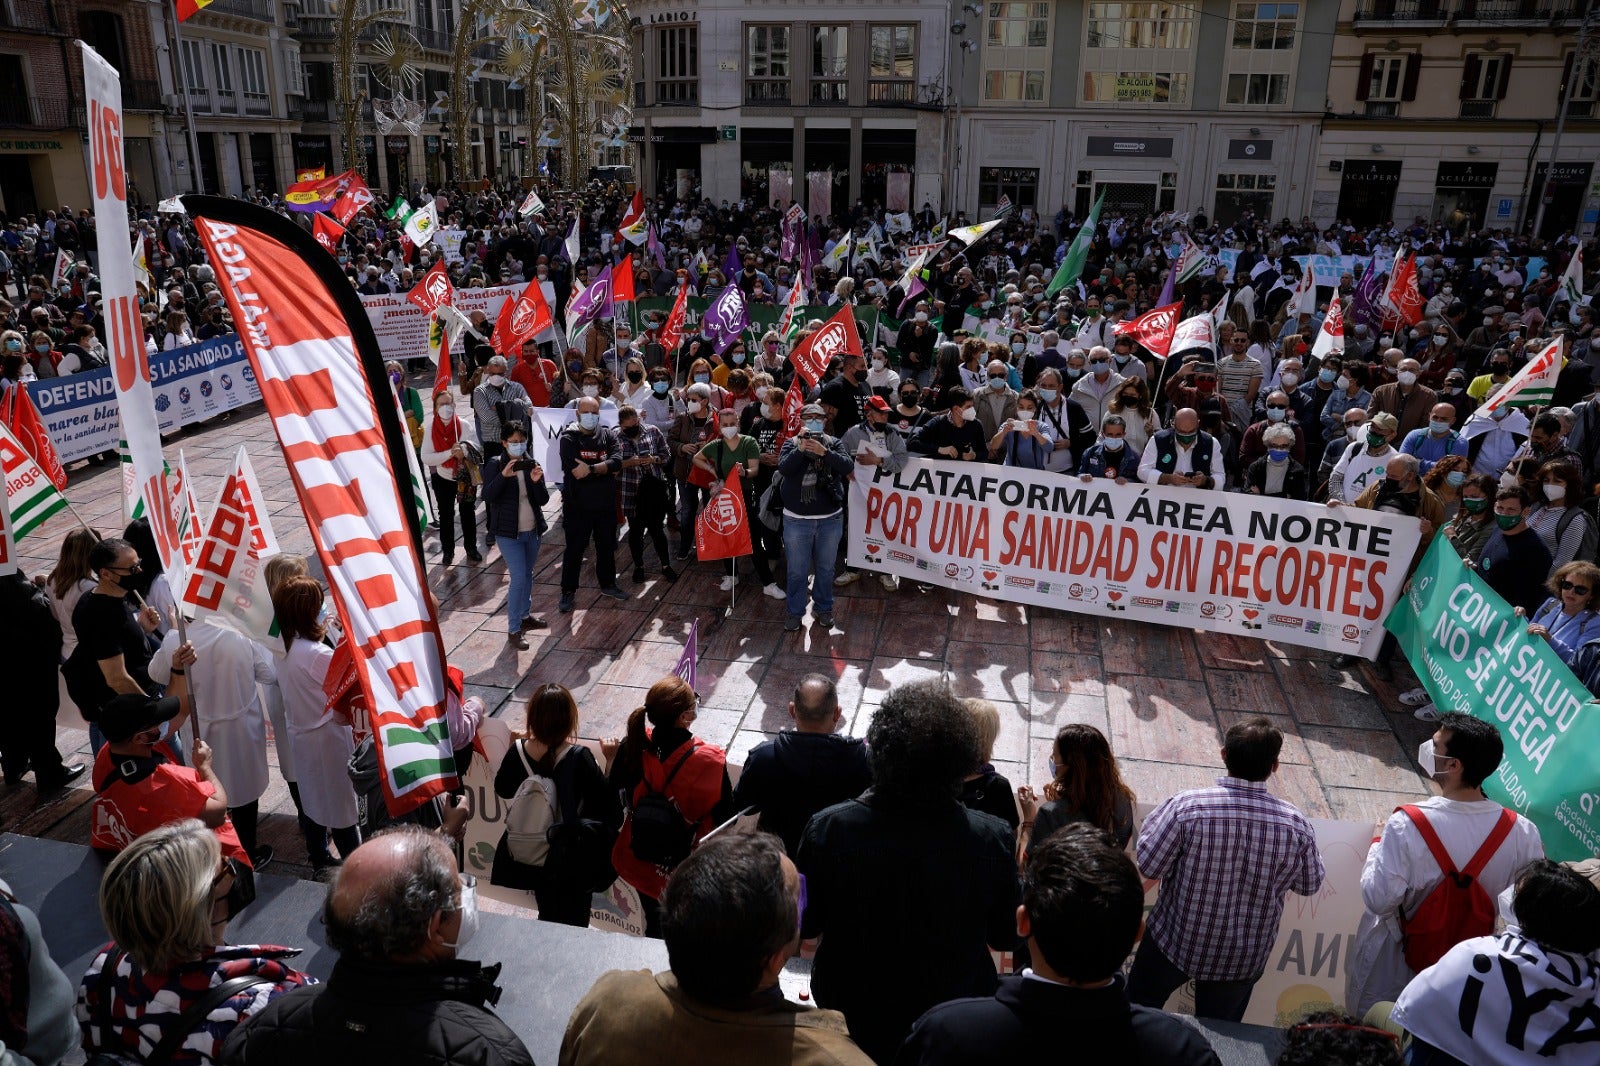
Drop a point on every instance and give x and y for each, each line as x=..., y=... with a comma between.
x=183, y=93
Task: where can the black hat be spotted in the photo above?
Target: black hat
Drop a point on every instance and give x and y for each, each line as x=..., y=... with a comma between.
x=129, y=714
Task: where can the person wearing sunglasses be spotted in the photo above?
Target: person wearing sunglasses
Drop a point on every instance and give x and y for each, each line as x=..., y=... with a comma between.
x=115, y=636
x=1570, y=618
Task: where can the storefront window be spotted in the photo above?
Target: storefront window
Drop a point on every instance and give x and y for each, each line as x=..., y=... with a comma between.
x=1238, y=193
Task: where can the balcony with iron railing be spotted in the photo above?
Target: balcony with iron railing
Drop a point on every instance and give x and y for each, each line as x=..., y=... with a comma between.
x=684, y=93
x=895, y=91
x=35, y=112
x=1439, y=11
x=257, y=104
x=768, y=92
x=250, y=9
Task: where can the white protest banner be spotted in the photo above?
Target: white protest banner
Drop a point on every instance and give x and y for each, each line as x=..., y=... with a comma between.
x=402, y=327
x=227, y=577
x=547, y=426
x=1293, y=572
x=121, y=325
x=617, y=909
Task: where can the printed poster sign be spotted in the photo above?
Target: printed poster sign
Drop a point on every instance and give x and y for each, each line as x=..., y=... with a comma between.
x=1474, y=655
x=402, y=327
x=1224, y=562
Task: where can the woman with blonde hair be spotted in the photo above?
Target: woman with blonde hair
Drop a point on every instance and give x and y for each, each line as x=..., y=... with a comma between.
x=660, y=765
x=166, y=900
x=321, y=740
x=1085, y=786
x=70, y=580
x=580, y=860
x=986, y=789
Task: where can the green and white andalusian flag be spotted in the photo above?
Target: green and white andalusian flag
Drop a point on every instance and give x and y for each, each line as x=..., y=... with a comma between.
x=30, y=492
x=1534, y=384
x=1078, y=254
x=1571, y=287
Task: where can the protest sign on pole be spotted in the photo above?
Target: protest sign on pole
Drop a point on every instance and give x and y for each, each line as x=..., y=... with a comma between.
x=334, y=413
x=122, y=326
x=1224, y=562
x=1474, y=655
x=226, y=578
x=687, y=662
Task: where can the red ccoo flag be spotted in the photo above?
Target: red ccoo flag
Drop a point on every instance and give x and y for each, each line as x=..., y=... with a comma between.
x=1154, y=328
x=672, y=330
x=622, y=281
x=434, y=290
x=723, y=529
x=327, y=232
x=838, y=336
x=521, y=320
x=442, y=381
x=1402, y=298
x=22, y=419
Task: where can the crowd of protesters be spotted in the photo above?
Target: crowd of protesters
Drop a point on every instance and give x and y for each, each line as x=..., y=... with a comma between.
x=916, y=814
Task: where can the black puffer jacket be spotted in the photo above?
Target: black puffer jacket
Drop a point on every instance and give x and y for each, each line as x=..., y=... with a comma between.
x=395, y=1015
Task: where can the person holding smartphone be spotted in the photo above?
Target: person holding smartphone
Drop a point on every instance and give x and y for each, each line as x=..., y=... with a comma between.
x=514, y=489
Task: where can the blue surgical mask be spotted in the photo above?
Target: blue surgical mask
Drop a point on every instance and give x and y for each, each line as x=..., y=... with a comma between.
x=1327, y=376
x=1048, y=395
x=997, y=384
x=1113, y=444
x=517, y=449
x=738, y=357
x=660, y=387
x=588, y=419
x=1019, y=348
x=1438, y=427
x=1456, y=478
x=1277, y=455
x=702, y=379
x=813, y=425
x=1074, y=372
x=1275, y=414
x=13, y=345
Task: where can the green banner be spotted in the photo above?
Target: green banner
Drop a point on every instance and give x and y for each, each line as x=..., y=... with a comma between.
x=1475, y=656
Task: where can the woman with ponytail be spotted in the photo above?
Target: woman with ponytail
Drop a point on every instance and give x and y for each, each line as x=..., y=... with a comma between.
x=668, y=776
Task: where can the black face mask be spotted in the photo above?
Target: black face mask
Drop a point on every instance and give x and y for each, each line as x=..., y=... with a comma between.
x=631, y=431
x=635, y=376
x=908, y=399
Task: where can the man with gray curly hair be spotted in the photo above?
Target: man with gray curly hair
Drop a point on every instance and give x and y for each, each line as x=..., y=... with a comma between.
x=398, y=914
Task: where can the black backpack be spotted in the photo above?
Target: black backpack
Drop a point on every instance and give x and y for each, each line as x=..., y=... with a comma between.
x=661, y=834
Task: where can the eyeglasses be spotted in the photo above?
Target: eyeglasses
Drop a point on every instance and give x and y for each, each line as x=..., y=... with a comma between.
x=132, y=568
x=1582, y=590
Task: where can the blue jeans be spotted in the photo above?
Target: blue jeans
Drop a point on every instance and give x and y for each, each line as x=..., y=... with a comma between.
x=810, y=546
x=520, y=553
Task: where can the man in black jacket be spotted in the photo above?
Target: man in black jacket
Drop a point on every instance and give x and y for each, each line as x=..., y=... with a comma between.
x=591, y=457
x=909, y=845
x=1082, y=909
x=801, y=771
x=398, y=915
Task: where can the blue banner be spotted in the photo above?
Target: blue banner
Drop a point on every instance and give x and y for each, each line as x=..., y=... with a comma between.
x=191, y=384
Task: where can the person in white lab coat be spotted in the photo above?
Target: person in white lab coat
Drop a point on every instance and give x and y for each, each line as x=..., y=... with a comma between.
x=223, y=684
x=321, y=741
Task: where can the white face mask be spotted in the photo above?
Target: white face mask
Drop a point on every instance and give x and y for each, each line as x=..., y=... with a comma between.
x=1555, y=492
x=1342, y=383
x=1406, y=378
x=1428, y=758
x=730, y=431
x=469, y=914
x=1504, y=904
x=694, y=407
x=497, y=380
x=591, y=390
x=446, y=412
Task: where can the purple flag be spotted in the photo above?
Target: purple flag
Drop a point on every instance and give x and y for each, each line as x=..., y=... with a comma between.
x=1364, y=309
x=691, y=652
x=727, y=318
x=589, y=304
x=653, y=242
x=794, y=221
x=731, y=266
x=1167, y=296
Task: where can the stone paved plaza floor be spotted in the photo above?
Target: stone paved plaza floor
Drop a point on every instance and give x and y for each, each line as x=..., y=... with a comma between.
x=1162, y=695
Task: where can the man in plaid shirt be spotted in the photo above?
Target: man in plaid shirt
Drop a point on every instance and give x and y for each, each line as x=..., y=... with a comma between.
x=1225, y=856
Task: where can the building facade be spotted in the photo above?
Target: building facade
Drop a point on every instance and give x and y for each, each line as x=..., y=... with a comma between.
x=1446, y=110
x=241, y=75
x=764, y=100
x=1211, y=106
x=43, y=150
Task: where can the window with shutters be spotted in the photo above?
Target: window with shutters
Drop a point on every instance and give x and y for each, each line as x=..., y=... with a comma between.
x=678, y=65
x=1483, y=84
x=1385, y=81
x=1585, y=91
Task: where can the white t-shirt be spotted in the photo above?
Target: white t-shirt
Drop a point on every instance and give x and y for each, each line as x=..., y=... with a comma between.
x=1361, y=469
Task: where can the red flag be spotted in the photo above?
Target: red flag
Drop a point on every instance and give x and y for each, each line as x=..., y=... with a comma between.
x=1402, y=297
x=442, y=381
x=22, y=418
x=520, y=321
x=187, y=9
x=723, y=529
x=838, y=336
x=327, y=232
x=633, y=226
x=794, y=402
x=672, y=331
x=1153, y=329
x=622, y=281
x=434, y=290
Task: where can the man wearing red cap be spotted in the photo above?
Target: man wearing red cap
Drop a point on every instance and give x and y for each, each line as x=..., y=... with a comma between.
x=872, y=442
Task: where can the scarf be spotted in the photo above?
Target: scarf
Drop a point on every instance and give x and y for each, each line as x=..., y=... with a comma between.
x=445, y=437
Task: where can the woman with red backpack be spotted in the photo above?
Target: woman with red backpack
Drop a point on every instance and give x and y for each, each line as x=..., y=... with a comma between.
x=677, y=787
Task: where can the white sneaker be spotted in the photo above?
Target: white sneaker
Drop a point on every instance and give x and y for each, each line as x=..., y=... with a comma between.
x=848, y=577
x=775, y=592
x=889, y=581
x=1426, y=713
x=728, y=582
x=1414, y=697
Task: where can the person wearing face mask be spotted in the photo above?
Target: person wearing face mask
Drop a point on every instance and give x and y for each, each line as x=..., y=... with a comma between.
x=166, y=901
x=1277, y=411
x=591, y=383
x=1495, y=433
x=700, y=373
x=736, y=358
x=643, y=489
x=1405, y=397
x=1474, y=520
x=1488, y=336
x=1132, y=403
x=1437, y=354
x=632, y=389
x=815, y=468
x=591, y=457
x=1095, y=390
x=996, y=403
x=1454, y=392
x=1277, y=472
x=881, y=378
x=1096, y=329
x=1558, y=515
x=716, y=460
x=1404, y=866
x=536, y=374
x=320, y=738
x=114, y=636
x=1400, y=491
x=1547, y=443
x=515, y=493
x=1514, y=560
x=399, y=914
x=1112, y=456
x=690, y=432
x=1364, y=460
x=1024, y=439
x=496, y=402
x=1183, y=455
x=916, y=340
x=1436, y=440
x=844, y=398
x=908, y=415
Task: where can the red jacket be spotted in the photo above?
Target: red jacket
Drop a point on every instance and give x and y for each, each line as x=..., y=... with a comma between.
x=160, y=792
